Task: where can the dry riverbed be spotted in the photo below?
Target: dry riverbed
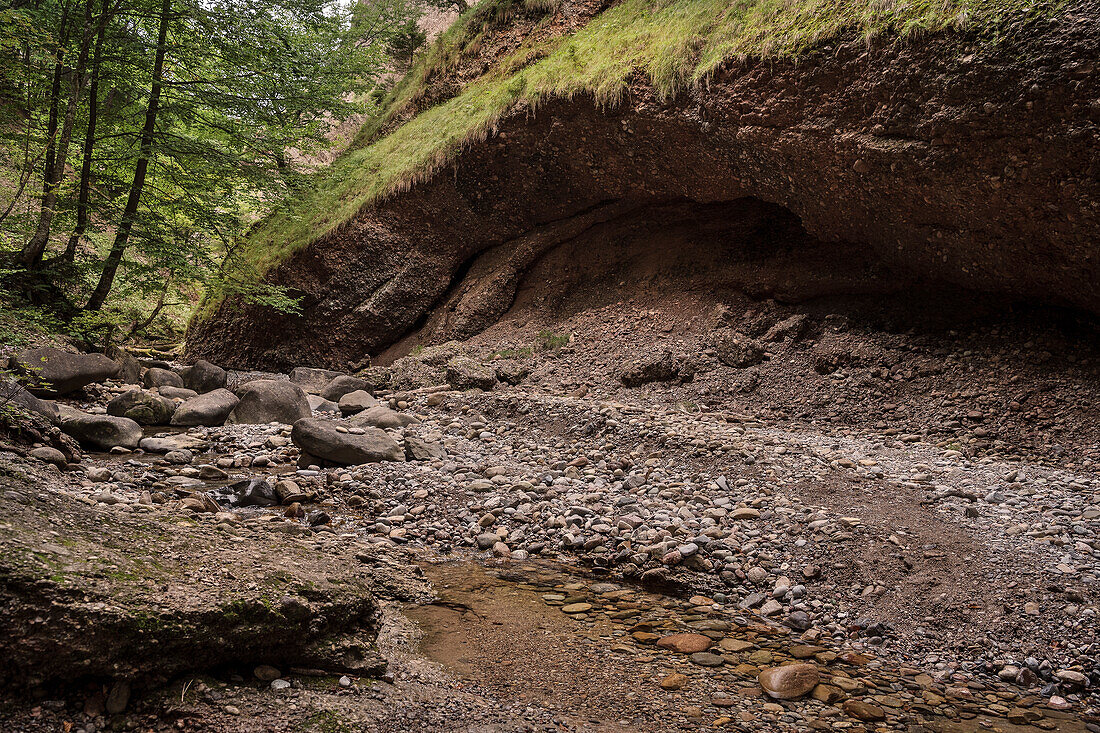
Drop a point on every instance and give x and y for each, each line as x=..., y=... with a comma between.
x=563, y=539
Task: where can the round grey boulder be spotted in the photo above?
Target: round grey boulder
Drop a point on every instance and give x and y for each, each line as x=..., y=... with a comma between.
x=357, y=401
x=145, y=408
x=101, y=431
x=177, y=393
x=208, y=409
x=203, y=377
x=268, y=400
x=46, y=454
x=14, y=394
x=320, y=438
x=343, y=385
x=320, y=404
x=155, y=377
x=52, y=371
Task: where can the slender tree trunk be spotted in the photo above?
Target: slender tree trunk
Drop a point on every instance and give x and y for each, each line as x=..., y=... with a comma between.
x=78, y=80
x=31, y=254
x=27, y=168
x=122, y=234
x=89, y=144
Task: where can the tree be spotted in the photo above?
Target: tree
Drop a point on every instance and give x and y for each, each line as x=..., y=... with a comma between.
x=122, y=233
x=197, y=117
x=85, y=184
x=34, y=248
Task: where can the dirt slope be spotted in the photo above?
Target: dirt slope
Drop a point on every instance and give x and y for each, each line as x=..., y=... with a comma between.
x=946, y=159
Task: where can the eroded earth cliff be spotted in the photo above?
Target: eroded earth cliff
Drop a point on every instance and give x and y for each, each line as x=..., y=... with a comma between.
x=968, y=159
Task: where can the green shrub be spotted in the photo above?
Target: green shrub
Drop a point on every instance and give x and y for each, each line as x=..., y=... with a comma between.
x=550, y=341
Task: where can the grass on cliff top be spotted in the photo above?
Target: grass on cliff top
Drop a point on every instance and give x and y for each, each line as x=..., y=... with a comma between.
x=462, y=39
x=674, y=42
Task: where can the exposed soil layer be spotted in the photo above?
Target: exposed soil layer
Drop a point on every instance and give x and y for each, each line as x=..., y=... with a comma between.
x=947, y=159
x=141, y=597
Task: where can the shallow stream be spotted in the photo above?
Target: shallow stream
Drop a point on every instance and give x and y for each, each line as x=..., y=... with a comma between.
x=549, y=633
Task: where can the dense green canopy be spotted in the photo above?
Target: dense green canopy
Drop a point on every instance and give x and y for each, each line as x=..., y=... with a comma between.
x=139, y=139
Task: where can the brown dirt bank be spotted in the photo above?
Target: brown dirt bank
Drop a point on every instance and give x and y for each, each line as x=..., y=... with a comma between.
x=947, y=160
x=100, y=592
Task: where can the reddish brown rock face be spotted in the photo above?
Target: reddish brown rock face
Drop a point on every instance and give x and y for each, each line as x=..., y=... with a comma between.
x=946, y=160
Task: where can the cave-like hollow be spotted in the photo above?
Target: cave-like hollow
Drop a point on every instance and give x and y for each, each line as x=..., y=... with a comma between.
x=714, y=251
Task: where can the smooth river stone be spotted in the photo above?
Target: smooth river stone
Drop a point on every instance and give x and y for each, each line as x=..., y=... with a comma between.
x=790, y=681
x=685, y=643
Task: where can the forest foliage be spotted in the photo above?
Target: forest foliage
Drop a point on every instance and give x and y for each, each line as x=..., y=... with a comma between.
x=140, y=139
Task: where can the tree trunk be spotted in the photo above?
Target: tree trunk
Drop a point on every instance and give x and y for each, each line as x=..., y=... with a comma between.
x=32, y=251
x=89, y=144
x=122, y=234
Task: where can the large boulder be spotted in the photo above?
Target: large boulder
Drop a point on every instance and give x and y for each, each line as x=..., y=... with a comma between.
x=210, y=409
x=203, y=377
x=312, y=380
x=157, y=377
x=101, y=431
x=342, y=385
x=321, y=438
x=130, y=371
x=14, y=394
x=177, y=393
x=268, y=400
x=382, y=417
x=357, y=401
x=146, y=408
x=52, y=371
x=50, y=455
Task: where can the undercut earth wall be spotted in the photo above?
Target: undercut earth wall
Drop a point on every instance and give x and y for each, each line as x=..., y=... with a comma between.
x=949, y=158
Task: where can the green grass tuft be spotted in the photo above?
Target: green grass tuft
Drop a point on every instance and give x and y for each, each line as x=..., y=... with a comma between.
x=550, y=341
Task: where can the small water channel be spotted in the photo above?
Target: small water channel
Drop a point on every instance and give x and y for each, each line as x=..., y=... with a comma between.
x=605, y=652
